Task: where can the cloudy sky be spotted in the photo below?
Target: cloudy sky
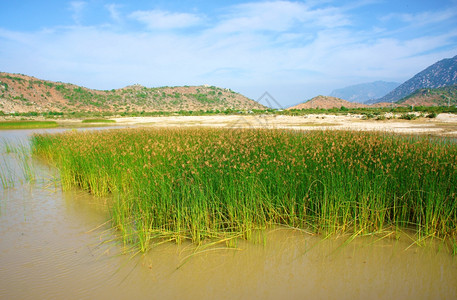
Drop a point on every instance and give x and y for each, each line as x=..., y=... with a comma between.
x=294, y=50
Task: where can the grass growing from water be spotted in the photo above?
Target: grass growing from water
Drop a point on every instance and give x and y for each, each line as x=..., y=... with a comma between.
x=6, y=177
x=27, y=124
x=202, y=184
x=15, y=163
x=25, y=162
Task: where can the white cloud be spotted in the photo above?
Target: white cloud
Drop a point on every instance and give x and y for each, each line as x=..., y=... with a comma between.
x=159, y=19
x=278, y=16
x=114, y=12
x=77, y=8
x=271, y=16
x=422, y=18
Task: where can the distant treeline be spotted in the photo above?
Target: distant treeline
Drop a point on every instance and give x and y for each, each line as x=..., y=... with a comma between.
x=369, y=112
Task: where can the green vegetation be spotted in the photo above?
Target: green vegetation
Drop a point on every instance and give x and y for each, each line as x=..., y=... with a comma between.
x=222, y=184
x=4, y=86
x=98, y=121
x=408, y=116
x=82, y=96
x=432, y=115
x=209, y=97
x=368, y=113
x=6, y=175
x=27, y=124
x=13, y=78
x=25, y=162
x=372, y=111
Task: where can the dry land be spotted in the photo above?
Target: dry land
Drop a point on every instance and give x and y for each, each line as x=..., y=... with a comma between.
x=442, y=125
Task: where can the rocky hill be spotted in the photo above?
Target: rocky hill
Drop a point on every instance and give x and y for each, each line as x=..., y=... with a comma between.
x=363, y=92
x=443, y=73
x=326, y=102
x=21, y=93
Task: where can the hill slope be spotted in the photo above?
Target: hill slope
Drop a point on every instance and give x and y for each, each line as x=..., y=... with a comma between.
x=442, y=73
x=326, y=102
x=21, y=93
x=363, y=92
x=432, y=97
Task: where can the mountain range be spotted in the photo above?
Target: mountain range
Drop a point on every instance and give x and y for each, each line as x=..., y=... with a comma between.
x=363, y=92
x=21, y=93
x=435, y=85
x=440, y=74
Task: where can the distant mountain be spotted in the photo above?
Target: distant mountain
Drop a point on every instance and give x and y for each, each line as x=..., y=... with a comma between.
x=363, y=92
x=443, y=73
x=21, y=93
x=326, y=102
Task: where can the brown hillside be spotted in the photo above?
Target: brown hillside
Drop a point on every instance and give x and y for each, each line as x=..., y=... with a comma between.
x=385, y=104
x=423, y=101
x=443, y=96
x=432, y=97
x=21, y=93
x=327, y=102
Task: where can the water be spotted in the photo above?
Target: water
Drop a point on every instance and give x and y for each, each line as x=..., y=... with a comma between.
x=56, y=245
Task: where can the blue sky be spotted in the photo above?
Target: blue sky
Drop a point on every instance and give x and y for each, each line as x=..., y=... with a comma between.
x=295, y=50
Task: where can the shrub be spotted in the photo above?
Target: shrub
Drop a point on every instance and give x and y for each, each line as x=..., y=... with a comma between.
x=408, y=116
x=367, y=116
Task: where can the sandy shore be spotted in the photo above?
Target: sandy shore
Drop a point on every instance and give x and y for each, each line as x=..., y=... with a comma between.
x=443, y=124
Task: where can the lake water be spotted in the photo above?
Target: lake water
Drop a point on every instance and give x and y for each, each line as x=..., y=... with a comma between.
x=57, y=245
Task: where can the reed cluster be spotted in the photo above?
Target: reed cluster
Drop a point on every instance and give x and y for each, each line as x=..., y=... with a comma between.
x=16, y=163
x=223, y=183
x=6, y=178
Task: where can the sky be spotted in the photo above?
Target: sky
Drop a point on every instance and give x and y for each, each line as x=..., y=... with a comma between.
x=294, y=50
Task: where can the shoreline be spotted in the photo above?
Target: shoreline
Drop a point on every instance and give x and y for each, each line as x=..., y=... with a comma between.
x=444, y=124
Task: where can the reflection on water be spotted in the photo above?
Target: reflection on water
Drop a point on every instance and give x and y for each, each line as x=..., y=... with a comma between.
x=53, y=245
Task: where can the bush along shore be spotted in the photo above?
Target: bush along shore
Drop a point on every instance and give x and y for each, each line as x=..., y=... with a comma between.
x=223, y=184
x=27, y=124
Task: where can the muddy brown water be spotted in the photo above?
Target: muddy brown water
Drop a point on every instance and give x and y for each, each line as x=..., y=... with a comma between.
x=55, y=245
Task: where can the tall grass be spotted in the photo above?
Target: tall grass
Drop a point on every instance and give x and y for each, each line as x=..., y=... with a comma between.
x=24, y=158
x=218, y=183
x=15, y=163
x=6, y=174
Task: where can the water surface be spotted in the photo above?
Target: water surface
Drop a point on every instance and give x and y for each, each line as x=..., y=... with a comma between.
x=56, y=245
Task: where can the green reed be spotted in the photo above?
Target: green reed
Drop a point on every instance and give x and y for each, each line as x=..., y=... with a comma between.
x=6, y=175
x=202, y=184
x=24, y=158
x=15, y=163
